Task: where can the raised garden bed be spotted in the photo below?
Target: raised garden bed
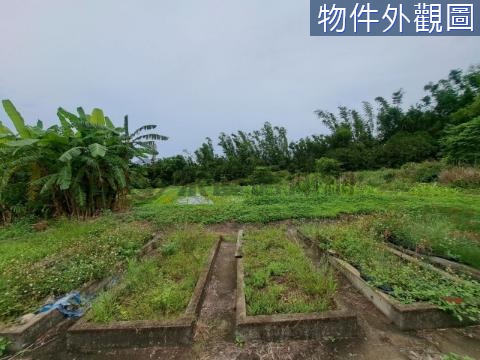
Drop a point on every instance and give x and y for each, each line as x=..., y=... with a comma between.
x=414, y=295
x=25, y=332
x=284, y=320
x=405, y=316
x=26, y=329
x=144, y=327
x=439, y=262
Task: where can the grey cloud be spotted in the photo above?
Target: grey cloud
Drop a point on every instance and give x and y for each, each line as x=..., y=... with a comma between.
x=197, y=68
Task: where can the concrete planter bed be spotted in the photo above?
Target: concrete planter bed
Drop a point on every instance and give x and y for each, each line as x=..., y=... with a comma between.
x=437, y=261
x=87, y=336
x=32, y=326
x=414, y=316
x=338, y=323
x=406, y=317
x=26, y=332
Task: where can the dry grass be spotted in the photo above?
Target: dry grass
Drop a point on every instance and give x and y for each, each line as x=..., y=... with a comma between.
x=468, y=177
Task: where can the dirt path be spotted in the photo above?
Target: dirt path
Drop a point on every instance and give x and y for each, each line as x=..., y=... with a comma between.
x=215, y=334
x=216, y=324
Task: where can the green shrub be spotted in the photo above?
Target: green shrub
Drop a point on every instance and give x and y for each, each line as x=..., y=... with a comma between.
x=328, y=167
x=424, y=172
x=406, y=147
x=262, y=175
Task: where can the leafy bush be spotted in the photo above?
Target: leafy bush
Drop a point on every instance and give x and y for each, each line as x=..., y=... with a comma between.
x=328, y=167
x=405, y=147
x=424, y=172
x=262, y=175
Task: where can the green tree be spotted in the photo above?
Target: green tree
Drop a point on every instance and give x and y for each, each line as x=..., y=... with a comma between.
x=461, y=143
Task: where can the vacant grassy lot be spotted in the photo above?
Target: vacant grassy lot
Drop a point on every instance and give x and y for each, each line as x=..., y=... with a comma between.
x=36, y=265
x=159, y=287
x=357, y=242
x=278, y=202
x=279, y=278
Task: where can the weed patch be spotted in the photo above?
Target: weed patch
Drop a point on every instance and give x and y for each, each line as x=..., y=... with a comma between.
x=446, y=232
x=279, y=278
x=357, y=242
x=36, y=265
x=160, y=287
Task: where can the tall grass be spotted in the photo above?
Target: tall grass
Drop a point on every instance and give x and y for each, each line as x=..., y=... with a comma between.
x=451, y=233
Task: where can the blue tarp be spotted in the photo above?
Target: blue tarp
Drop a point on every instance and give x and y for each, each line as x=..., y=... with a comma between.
x=71, y=305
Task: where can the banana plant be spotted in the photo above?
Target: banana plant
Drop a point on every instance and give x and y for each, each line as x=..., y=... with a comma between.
x=141, y=140
x=77, y=167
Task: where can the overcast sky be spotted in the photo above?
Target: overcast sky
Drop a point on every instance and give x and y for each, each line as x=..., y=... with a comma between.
x=197, y=68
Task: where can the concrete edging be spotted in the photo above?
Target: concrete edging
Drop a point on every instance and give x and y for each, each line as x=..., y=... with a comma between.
x=434, y=260
x=23, y=334
x=238, y=248
x=338, y=324
x=406, y=317
x=90, y=337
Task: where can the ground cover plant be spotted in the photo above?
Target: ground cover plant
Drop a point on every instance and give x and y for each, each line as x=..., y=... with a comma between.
x=3, y=345
x=159, y=287
x=279, y=278
x=451, y=233
x=356, y=241
x=453, y=356
x=37, y=264
x=435, y=172
x=249, y=204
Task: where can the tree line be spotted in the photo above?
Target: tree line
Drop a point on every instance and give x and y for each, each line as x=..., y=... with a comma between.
x=85, y=164
x=443, y=124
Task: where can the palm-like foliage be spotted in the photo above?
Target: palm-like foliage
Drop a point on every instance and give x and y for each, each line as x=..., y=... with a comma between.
x=77, y=167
